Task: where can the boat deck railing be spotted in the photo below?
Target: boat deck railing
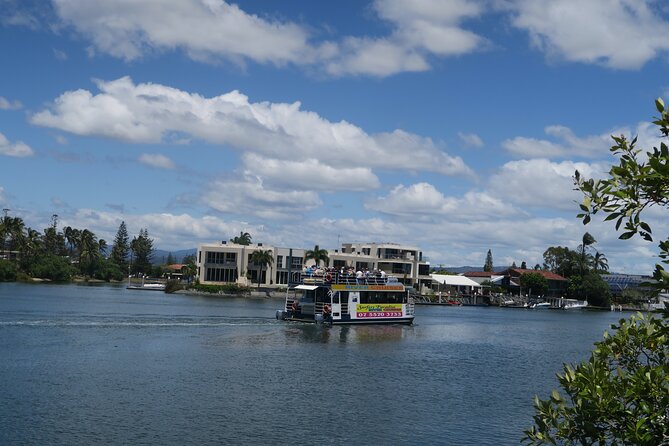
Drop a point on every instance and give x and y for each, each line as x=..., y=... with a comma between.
x=335, y=278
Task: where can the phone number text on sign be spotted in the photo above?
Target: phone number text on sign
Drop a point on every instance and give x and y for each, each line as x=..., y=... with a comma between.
x=364, y=314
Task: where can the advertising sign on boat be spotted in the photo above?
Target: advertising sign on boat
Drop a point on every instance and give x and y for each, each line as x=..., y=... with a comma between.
x=378, y=310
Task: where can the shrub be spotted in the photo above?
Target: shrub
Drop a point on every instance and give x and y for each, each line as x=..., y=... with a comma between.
x=7, y=271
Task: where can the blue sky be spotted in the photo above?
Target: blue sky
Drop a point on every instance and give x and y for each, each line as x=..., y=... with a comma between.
x=454, y=126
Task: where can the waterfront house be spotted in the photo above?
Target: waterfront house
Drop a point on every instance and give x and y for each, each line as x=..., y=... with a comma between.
x=557, y=285
x=228, y=262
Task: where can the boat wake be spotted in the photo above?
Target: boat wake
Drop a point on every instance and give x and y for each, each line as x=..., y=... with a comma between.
x=88, y=322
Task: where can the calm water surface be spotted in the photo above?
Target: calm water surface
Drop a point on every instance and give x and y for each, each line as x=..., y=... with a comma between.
x=102, y=364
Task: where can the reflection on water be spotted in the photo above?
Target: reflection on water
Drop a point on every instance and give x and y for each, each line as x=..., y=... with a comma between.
x=100, y=364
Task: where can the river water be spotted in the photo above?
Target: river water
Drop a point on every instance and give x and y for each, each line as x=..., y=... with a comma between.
x=102, y=364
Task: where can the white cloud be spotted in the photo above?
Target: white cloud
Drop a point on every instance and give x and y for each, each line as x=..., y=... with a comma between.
x=540, y=183
x=3, y=196
x=18, y=149
x=566, y=144
x=622, y=34
x=156, y=160
x=168, y=230
x=204, y=29
x=310, y=174
x=420, y=29
x=471, y=139
x=151, y=113
x=249, y=197
x=6, y=104
x=423, y=200
x=213, y=30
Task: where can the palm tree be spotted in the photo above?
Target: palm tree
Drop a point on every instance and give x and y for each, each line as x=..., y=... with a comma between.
x=30, y=247
x=89, y=250
x=600, y=262
x=71, y=236
x=262, y=259
x=587, y=241
x=317, y=255
x=102, y=247
x=244, y=238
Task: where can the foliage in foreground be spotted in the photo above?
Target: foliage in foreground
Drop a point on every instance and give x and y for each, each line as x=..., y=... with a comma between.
x=619, y=396
x=639, y=181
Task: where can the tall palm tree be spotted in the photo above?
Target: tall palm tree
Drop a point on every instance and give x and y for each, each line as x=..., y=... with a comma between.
x=244, y=238
x=30, y=247
x=317, y=255
x=262, y=259
x=89, y=251
x=587, y=241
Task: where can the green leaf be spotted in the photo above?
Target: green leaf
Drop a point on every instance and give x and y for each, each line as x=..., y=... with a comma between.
x=626, y=235
x=659, y=104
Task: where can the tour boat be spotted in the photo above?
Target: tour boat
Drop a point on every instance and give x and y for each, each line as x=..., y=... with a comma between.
x=337, y=298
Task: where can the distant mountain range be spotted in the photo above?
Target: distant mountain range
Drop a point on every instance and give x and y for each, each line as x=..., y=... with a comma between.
x=160, y=255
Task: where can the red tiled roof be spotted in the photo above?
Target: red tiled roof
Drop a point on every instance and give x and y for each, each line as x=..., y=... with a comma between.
x=480, y=274
x=175, y=266
x=547, y=274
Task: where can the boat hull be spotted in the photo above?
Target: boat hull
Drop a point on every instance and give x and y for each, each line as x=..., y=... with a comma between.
x=370, y=321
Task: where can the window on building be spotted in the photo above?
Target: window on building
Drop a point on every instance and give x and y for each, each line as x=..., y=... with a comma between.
x=279, y=261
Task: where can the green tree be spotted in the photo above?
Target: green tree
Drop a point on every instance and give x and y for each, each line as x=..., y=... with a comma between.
x=262, y=258
x=318, y=255
x=523, y=265
x=488, y=267
x=619, y=396
x=244, y=238
x=89, y=252
x=584, y=260
x=170, y=259
x=142, y=250
x=561, y=260
x=590, y=287
x=638, y=182
x=7, y=271
x=189, y=269
x=600, y=263
x=51, y=267
x=535, y=283
x=121, y=249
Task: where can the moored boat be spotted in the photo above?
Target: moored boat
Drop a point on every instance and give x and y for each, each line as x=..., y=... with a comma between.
x=338, y=298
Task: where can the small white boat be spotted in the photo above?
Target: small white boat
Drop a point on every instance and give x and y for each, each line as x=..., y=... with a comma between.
x=146, y=286
x=572, y=304
x=539, y=305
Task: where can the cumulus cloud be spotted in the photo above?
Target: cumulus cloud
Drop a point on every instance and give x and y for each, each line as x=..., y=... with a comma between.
x=420, y=29
x=310, y=173
x=212, y=30
x=540, y=183
x=151, y=113
x=6, y=104
x=621, y=34
x=168, y=230
x=424, y=200
x=564, y=144
x=248, y=196
x=156, y=160
x=17, y=150
x=204, y=29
